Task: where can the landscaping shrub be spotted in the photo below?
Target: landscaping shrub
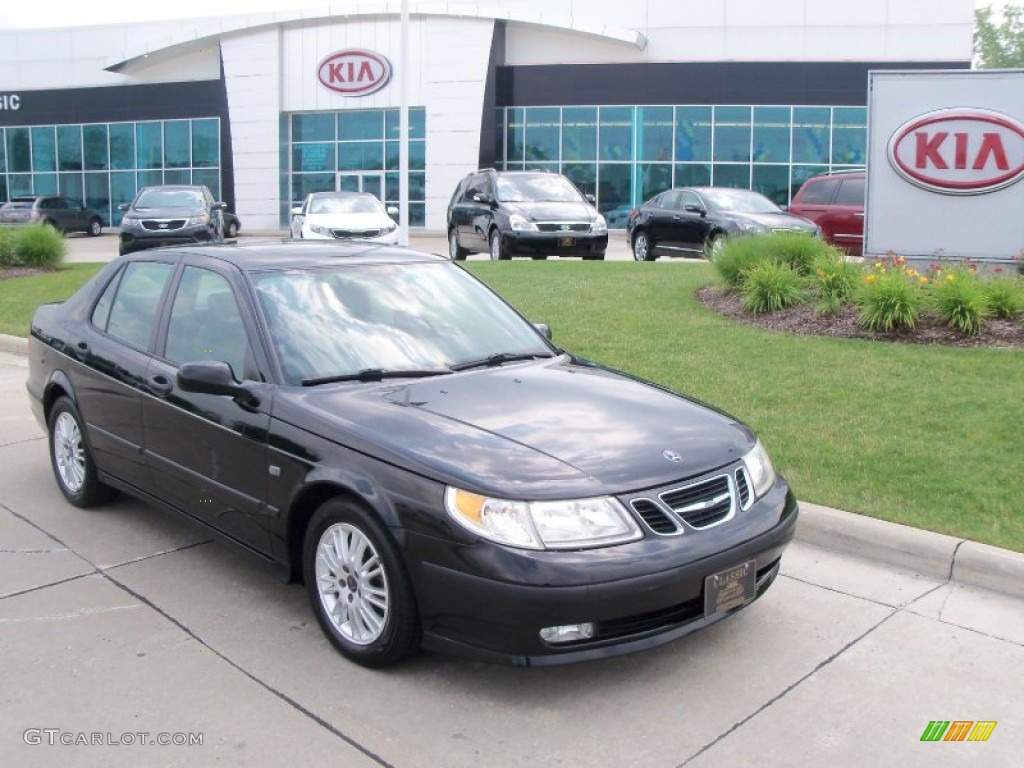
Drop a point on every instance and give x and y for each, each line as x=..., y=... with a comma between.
x=799, y=251
x=39, y=246
x=889, y=298
x=7, y=251
x=769, y=286
x=1006, y=297
x=739, y=254
x=960, y=298
x=835, y=279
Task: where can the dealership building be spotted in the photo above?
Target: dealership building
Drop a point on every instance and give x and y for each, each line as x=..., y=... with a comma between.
x=626, y=99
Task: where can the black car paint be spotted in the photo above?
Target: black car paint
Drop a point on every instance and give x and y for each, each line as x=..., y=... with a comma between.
x=254, y=469
x=163, y=226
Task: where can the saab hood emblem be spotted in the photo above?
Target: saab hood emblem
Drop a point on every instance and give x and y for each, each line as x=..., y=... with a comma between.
x=674, y=456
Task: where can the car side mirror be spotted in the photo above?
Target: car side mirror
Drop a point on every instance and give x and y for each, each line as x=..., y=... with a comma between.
x=220, y=206
x=483, y=198
x=297, y=211
x=392, y=210
x=700, y=209
x=544, y=329
x=123, y=207
x=208, y=377
x=590, y=199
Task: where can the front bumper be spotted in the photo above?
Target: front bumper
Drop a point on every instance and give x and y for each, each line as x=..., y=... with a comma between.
x=388, y=238
x=556, y=243
x=138, y=240
x=649, y=600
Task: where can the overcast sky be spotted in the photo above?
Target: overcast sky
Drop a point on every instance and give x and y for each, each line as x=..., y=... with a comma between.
x=18, y=14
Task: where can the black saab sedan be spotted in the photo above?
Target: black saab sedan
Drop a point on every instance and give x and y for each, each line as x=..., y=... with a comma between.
x=384, y=428
x=695, y=221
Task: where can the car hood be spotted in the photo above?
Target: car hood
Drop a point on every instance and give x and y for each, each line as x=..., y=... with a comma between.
x=543, y=429
x=349, y=220
x=553, y=211
x=165, y=213
x=781, y=220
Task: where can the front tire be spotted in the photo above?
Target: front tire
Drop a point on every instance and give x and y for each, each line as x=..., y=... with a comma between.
x=72, y=463
x=358, y=586
x=455, y=251
x=713, y=247
x=497, y=247
x=95, y=228
x=642, y=248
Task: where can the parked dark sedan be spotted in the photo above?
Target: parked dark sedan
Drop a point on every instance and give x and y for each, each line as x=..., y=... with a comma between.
x=61, y=213
x=696, y=220
x=382, y=426
x=171, y=214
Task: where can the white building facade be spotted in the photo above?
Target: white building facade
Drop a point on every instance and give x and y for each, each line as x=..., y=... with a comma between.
x=625, y=99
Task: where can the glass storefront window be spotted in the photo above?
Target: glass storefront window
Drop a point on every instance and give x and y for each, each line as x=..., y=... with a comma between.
x=95, y=148
x=543, y=128
x=313, y=127
x=44, y=183
x=583, y=175
x=693, y=175
x=122, y=146
x=579, y=134
x=313, y=157
x=810, y=134
x=515, y=136
x=19, y=153
x=44, y=152
x=70, y=185
x=150, y=145
x=417, y=123
x=361, y=156
x=614, y=186
x=69, y=148
x=361, y=124
x=654, y=178
x=616, y=133
x=206, y=143
x=731, y=175
x=177, y=144
x=655, y=139
x=771, y=134
x=693, y=133
x=732, y=135
x=211, y=178
x=849, y=135
x=772, y=181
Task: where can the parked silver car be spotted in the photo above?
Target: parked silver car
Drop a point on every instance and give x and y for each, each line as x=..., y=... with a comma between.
x=62, y=213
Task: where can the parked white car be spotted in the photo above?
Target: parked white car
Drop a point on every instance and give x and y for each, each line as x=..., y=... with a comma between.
x=344, y=216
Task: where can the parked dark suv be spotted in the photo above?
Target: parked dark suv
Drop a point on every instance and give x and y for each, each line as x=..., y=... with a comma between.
x=835, y=202
x=61, y=213
x=530, y=213
x=171, y=214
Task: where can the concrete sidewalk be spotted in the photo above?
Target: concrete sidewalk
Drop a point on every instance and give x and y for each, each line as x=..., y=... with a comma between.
x=122, y=621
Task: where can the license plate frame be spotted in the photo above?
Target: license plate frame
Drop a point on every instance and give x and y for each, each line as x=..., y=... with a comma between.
x=730, y=589
x=566, y=242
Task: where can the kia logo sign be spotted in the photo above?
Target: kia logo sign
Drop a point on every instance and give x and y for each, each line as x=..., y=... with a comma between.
x=959, y=151
x=354, y=72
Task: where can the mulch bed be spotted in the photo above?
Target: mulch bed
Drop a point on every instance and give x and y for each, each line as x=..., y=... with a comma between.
x=6, y=273
x=843, y=324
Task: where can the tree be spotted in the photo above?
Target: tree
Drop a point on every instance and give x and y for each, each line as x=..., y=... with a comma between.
x=999, y=41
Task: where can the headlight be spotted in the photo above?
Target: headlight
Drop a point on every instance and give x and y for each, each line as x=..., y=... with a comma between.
x=321, y=230
x=129, y=221
x=568, y=524
x=521, y=223
x=760, y=469
x=200, y=220
x=387, y=229
x=599, y=226
x=751, y=226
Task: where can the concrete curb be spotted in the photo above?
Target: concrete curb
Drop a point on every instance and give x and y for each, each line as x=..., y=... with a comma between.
x=934, y=555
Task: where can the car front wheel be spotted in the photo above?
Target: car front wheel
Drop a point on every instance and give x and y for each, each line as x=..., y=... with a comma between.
x=455, y=251
x=358, y=586
x=95, y=227
x=713, y=247
x=498, y=250
x=72, y=463
x=642, y=250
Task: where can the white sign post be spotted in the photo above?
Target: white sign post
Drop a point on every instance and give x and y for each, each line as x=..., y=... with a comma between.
x=945, y=164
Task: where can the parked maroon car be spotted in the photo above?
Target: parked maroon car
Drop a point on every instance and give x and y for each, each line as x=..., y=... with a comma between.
x=835, y=202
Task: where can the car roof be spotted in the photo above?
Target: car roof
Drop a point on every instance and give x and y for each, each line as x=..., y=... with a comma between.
x=342, y=194
x=255, y=255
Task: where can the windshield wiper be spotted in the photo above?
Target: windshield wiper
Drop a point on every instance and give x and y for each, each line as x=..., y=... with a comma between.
x=498, y=359
x=374, y=374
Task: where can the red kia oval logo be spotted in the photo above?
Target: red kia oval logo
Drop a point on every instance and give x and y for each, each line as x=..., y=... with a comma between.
x=354, y=72
x=959, y=151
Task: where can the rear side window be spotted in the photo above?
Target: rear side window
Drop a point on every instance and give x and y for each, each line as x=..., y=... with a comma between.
x=851, y=192
x=136, y=304
x=819, y=192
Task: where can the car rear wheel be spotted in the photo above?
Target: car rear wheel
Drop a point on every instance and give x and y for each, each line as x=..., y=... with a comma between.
x=73, y=467
x=231, y=229
x=455, y=251
x=498, y=250
x=642, y=250
x=95, y=227
x=358, y=586
x=713, y=247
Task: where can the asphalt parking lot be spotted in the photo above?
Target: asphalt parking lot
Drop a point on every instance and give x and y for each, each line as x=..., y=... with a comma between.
x=122, y=627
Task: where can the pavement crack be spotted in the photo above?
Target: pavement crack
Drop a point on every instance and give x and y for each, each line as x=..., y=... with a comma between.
x=785, y=692
x=841, y=592
x=29, y=590
x=71, y=614
x=143, y=558
x=23, y=442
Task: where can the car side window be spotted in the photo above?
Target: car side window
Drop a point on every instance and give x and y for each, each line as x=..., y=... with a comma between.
x=478, y=185
x=819, y=192
x=101, y=312
x=134, y=310
x=206, y=323
x=689, y=198
x=851, y=192
x=669, y=201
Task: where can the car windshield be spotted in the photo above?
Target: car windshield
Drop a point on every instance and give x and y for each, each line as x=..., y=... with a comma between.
x=536, y=188
x=389, y=317
x=739, y=201
x=170, y=198
x=345, y=204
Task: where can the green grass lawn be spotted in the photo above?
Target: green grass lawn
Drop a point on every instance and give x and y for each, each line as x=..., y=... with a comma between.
x=926, y=436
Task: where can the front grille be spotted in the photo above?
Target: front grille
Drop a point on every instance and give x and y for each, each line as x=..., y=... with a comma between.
x=563, y=226
x=743, y=488
x=654, y=620
x=355, y=233
x=704, y=503
x=163, y=225
x=657, y=519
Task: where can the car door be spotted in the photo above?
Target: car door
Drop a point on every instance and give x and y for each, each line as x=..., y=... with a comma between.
x=693, y=225
x=846, y=217
x=814, y=202
x=663, y=220
x=208, y=453
x=473, y=216
x=113, y=352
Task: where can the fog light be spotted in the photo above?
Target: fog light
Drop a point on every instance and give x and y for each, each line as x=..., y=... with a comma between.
x=567, y=633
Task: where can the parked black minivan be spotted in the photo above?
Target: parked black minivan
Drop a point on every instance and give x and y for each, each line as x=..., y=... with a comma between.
x=530, y=213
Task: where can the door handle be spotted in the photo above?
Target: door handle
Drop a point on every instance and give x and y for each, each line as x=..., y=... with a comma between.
x=82, y=346
x=159, y=385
